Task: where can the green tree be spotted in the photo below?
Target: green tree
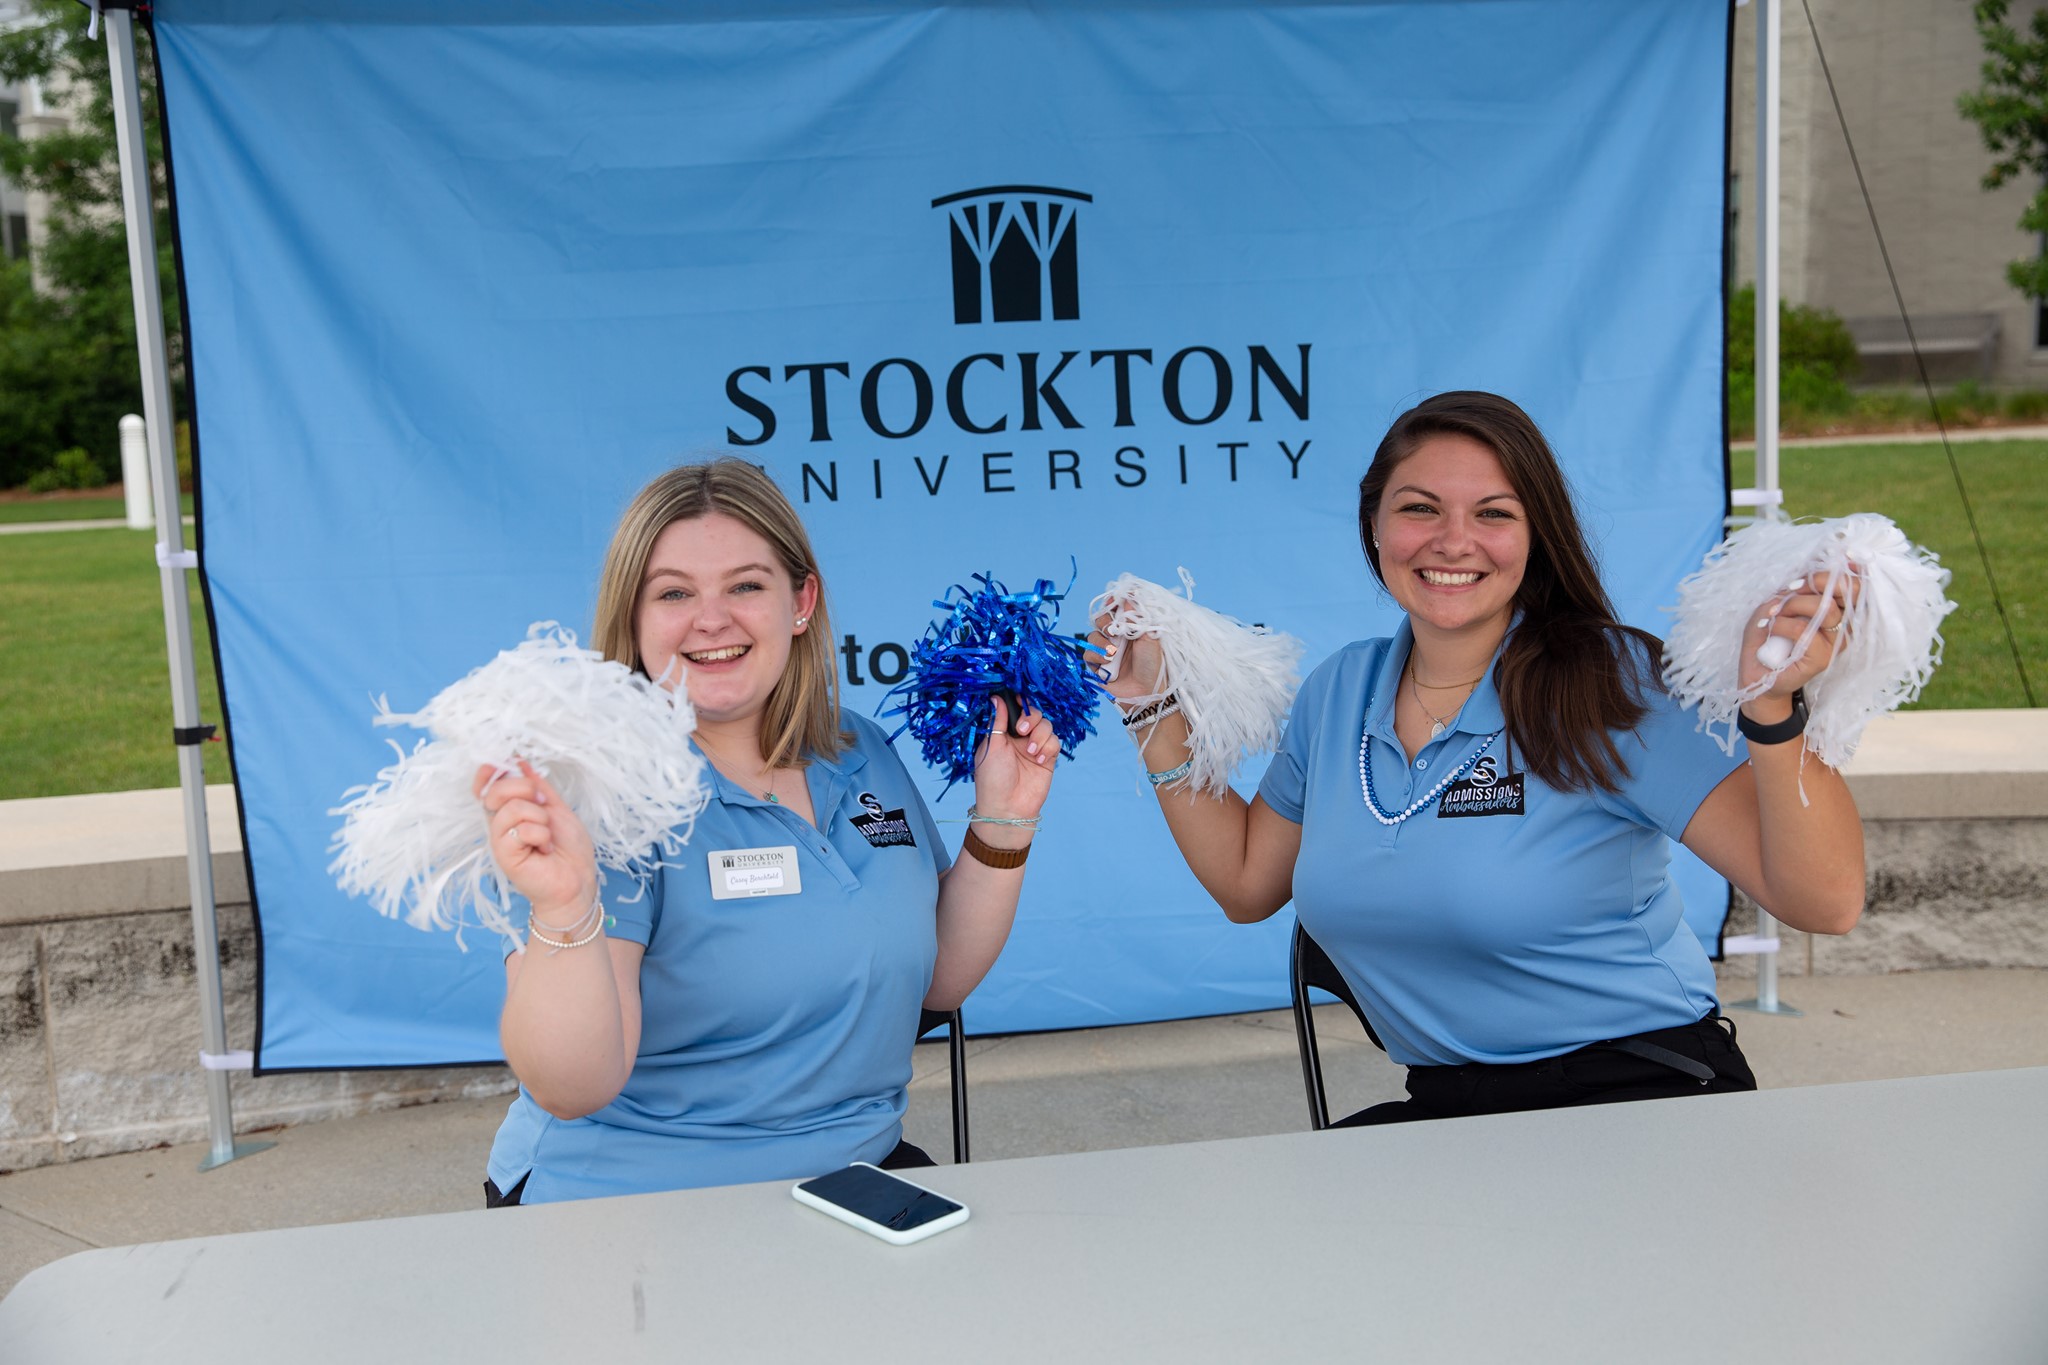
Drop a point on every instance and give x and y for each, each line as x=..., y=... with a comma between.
x=2011, y=110
x=68, y=366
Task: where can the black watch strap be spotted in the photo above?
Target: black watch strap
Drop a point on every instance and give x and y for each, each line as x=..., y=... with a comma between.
x=1792, y=727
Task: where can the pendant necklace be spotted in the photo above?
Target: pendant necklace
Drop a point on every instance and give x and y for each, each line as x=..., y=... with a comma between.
x=769, y=796
x=1437, y=724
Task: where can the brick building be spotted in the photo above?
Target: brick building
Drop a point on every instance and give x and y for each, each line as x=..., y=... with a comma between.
x=1898, y=67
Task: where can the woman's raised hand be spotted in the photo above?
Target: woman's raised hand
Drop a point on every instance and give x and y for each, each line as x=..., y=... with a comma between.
x=1013, y=773
x=1130, y=668
x=1777, y=625
x=538, y=843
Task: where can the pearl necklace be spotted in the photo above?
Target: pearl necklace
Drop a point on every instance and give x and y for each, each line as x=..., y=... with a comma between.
x=1365, y=777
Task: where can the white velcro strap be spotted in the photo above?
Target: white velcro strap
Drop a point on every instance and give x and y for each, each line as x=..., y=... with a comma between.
x=183, y=559
x=227, y=1061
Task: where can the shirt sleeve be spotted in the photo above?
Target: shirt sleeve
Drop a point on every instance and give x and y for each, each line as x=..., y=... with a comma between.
x=1285, y=785
x=875, y=742
x=634, y=902
x=928, y=830
x=1672, y=766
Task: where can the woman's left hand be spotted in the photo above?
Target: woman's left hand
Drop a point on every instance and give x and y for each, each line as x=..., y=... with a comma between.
x=1013, y=773
x=1785, y=617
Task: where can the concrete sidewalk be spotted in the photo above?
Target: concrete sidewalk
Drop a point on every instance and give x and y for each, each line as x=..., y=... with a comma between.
x=1956, y=436
x=1031, y=1095
x=21, y=528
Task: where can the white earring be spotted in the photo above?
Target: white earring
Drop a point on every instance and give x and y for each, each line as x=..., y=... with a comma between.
x=802, y=621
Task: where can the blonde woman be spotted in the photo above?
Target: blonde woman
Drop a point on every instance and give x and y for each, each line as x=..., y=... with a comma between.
x=748, y=1015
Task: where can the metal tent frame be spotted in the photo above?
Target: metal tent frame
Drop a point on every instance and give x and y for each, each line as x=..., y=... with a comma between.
x=174, y=560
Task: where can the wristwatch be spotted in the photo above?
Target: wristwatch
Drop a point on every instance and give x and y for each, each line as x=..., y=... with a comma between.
x=1791, y=727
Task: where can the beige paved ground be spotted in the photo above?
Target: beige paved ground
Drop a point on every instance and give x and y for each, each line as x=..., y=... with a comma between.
x=1031, y=1094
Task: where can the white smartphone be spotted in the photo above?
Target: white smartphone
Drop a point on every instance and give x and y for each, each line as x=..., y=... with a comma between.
x=877, y=1202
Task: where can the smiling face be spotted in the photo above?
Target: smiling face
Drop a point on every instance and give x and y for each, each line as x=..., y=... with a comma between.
x=1453, y=538
x=716, y=599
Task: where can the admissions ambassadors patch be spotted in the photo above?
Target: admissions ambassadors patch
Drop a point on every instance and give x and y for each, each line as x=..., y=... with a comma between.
x=1487, y=791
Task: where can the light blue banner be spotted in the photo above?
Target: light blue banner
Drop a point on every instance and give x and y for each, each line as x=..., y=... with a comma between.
x=985, y=288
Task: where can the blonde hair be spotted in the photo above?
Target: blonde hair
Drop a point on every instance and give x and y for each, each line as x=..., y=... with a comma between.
x=802, y=714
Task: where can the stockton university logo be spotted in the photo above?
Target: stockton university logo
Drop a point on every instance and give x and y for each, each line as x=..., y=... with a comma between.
x=1015, y=253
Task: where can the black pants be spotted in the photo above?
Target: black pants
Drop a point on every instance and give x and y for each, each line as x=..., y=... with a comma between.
x=906, y=1156
x=1699, y=1058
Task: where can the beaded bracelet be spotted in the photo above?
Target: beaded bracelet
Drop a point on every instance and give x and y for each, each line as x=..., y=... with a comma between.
x=975, y=817
x=1170, y=775
x=595, y=917
x=570, y=929
x=556, y=945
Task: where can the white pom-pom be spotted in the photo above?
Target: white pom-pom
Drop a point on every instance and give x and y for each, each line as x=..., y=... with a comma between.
x=615, y=745
x=1234, y=682
x=1890, y=644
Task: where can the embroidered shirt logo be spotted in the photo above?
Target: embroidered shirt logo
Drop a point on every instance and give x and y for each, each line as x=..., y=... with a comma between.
x=1488, y=791
x=882, y=828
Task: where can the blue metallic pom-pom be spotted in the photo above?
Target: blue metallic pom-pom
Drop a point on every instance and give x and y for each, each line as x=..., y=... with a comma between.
x=993, y=642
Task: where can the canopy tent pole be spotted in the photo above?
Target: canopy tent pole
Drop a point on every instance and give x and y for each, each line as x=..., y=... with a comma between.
x=1767, y=497
x=173, y=559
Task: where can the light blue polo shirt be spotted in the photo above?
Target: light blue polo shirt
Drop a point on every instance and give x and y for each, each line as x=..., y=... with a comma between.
x=1486, y=928
x=776, y=1030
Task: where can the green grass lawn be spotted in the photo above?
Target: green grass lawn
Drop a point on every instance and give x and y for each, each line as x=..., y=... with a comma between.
x=2008, y=486
x=15, y=511
x=85, y=695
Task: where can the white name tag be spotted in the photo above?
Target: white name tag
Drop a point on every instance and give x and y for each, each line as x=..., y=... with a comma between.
x=740, y=872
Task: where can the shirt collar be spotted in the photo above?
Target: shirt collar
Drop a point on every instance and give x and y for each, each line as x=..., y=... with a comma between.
x=829, y=779
x=1386, y=684
x=832, y=778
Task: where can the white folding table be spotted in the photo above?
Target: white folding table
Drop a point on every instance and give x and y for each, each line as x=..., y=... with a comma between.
x=1882, y=1221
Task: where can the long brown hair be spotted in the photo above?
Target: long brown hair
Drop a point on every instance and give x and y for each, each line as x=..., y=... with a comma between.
x=802, y=714
x=1571, y=674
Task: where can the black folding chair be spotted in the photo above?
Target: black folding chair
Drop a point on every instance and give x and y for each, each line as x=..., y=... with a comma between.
x=1312, y=967
x=956, y=1051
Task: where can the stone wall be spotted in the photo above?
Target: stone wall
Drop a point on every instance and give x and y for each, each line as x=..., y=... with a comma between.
x=99, y=1002
x=100, y=1039
x=1941, y=893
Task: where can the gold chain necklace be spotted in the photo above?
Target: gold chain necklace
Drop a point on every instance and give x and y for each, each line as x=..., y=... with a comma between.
x=1437, y=724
